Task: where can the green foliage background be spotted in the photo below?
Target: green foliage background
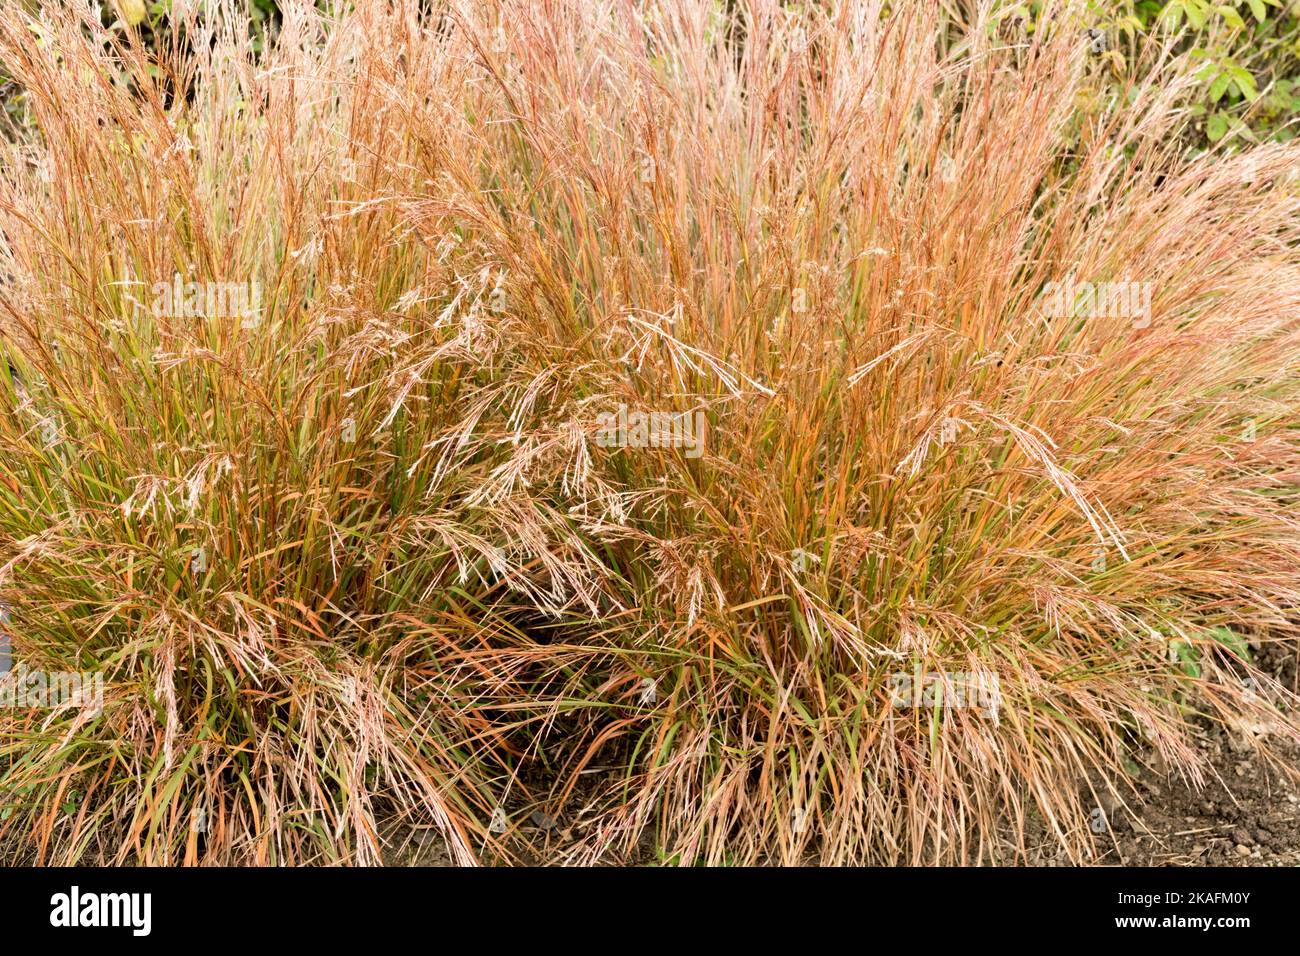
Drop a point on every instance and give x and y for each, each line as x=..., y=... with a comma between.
x=1247, y=51
x=1247, y=56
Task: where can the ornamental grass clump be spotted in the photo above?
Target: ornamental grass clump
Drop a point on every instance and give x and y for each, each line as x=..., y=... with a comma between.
x=741, y=434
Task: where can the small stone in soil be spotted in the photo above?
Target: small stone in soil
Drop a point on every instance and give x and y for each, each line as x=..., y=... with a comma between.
x=1239, y=744
x=543, y=820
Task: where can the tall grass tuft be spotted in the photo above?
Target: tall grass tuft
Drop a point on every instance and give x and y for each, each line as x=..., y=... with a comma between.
x=777, y=435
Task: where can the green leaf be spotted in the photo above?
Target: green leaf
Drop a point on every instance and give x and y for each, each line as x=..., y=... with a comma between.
x=1219, y=87
x=1258, y=9
x=1187, y=656
x=1216, y=126
x=1232, y=18
x=1232, y=641
x=1206, y=71
x=1245, y=82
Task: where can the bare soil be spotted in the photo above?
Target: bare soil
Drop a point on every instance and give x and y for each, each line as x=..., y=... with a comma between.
x=1247, y=813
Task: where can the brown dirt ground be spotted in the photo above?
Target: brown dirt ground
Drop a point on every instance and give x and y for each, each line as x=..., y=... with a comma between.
x=1246, y=814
